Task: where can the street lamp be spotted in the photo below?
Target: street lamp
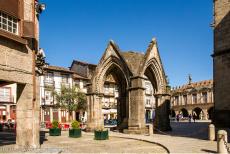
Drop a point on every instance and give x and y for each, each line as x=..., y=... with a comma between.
x=40, y=7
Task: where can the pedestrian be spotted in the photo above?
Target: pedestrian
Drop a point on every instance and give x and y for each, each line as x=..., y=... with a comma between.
x=194, y=117
x=189, y=118
x=178, y=118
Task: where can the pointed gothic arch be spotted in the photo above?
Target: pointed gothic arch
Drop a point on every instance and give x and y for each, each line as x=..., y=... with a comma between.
x=129, y=70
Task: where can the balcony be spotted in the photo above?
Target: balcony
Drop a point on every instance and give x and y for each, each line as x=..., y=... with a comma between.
x=6, y=99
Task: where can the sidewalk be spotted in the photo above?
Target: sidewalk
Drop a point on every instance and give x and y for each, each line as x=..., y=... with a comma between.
x=175, y=144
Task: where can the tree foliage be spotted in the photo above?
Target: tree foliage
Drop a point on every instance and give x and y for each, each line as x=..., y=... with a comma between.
x=70, y=98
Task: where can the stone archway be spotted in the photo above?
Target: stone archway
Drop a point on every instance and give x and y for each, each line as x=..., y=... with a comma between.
x=130, y=70
x=122, y=100
x=115, y=66
x=184, y=112
x=198, y=112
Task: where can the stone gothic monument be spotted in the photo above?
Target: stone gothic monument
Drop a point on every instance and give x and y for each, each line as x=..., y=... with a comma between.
x=130, y=70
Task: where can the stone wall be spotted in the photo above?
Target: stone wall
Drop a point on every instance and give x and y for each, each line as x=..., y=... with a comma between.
x=15, y=62
x=221, y=59
x=16, y=66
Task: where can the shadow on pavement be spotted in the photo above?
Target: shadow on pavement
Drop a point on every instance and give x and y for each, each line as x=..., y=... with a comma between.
x=198, y=130
x=208, y=151
x=8, y=137
x=43, y=136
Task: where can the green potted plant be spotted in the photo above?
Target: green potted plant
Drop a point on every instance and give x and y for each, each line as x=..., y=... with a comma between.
x=56, y=129
x=101, y=134
x=75, y=131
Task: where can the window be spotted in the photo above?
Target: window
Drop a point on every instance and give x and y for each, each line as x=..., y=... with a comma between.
x=8, y=23
x=49, y=77
x=64, y=78
x=185, y=99
x=147, y=101
x=77, y=83
x=205, y=97
x=106, y=88
x=148, y=88
x=194, y=98
x=5, y=94
x=48, y=95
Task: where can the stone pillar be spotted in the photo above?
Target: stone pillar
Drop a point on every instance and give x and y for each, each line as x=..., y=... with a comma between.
x=51, y=114
x=211, y=132
x=7, y=112
x=190, y=112
x=94, y=112
x=222, y=137
x=150, y=127
x=205, y=116
x=27, y=117
x=122, y=115
x=221, y=61
x=136, y=123
x=162, y=121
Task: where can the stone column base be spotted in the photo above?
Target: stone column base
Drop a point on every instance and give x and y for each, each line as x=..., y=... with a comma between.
x=136, y=130
x=221, y=118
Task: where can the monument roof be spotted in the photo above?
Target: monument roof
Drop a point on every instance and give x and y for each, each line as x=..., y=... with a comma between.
x=133, y=59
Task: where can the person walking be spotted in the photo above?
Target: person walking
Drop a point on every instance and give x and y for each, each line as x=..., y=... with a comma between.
x=189, y=118
x=178, y=118
x=194, y=117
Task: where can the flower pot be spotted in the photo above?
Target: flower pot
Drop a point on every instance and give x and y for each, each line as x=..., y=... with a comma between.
x=101, y=135
x=75, y=133
x=55, y=131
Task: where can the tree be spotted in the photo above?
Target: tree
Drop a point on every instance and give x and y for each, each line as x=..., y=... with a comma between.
x=71, y=99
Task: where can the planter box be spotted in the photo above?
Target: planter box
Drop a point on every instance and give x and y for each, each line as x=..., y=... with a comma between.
x=55, y=131
x=101, y=135
x=75, y=133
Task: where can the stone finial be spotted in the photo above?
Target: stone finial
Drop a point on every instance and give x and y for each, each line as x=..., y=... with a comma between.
x=111, y=41
x=189, y=79
x=154, y=40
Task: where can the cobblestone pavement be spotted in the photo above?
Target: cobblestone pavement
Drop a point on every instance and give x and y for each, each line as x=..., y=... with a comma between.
x=87, y=144
x=185, y=138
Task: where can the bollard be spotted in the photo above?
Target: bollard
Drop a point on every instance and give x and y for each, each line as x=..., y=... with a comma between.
x=150, y=129
x=211, y=132
x=222, y=137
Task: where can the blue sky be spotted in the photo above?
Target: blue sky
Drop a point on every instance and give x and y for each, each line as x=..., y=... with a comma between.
x=81, y=29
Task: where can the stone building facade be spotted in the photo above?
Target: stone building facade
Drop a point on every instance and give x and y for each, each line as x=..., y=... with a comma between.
x=193, y=99
x=19, y=43
x=8, y=100
x=221, y=63
x=53, y=79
